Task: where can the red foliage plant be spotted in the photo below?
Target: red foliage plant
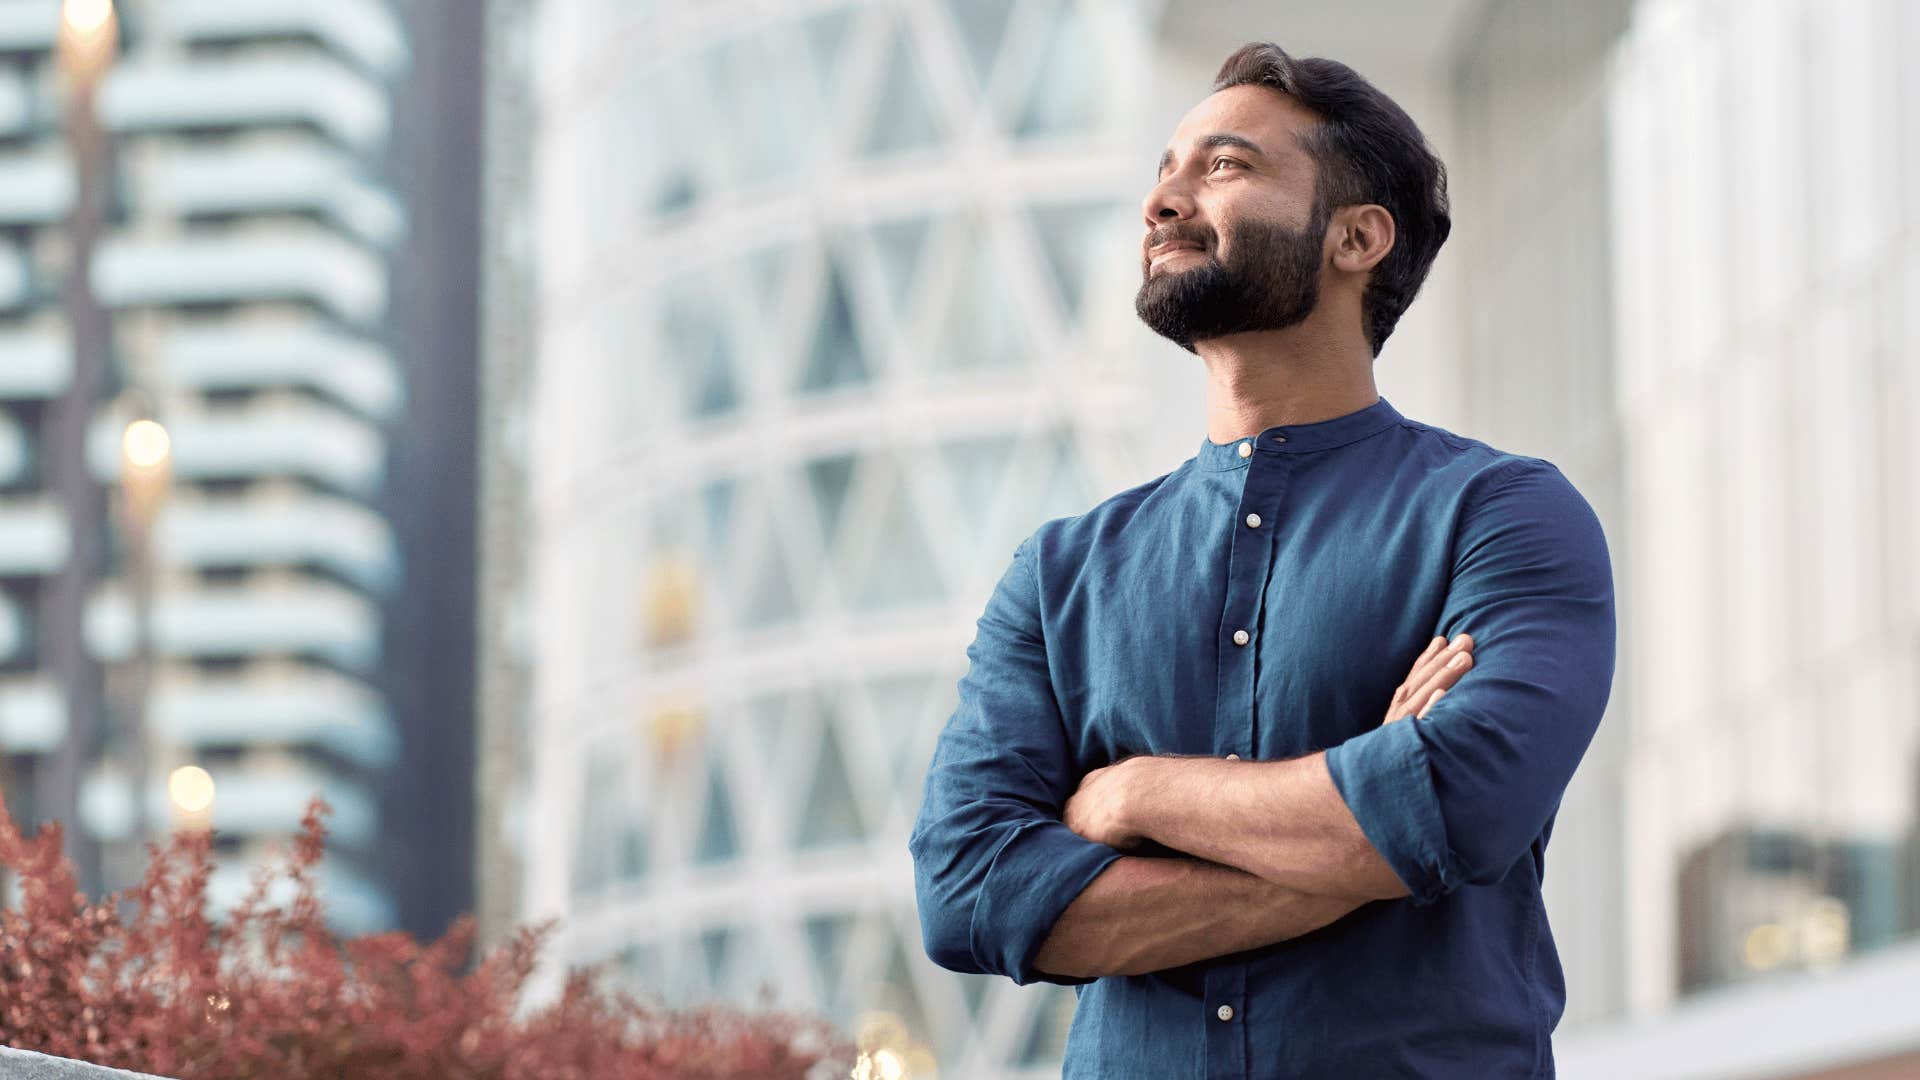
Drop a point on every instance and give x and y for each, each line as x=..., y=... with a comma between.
x=273, y=992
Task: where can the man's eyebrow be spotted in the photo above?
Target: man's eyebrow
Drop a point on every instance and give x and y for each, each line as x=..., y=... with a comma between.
x=1218, y=138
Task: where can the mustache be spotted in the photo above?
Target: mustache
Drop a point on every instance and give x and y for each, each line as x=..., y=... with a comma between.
x=1178, y=236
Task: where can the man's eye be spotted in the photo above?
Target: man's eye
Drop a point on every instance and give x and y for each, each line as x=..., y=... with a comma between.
x=1217, y=162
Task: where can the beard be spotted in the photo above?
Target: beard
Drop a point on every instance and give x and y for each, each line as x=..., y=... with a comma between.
x=1270, y=282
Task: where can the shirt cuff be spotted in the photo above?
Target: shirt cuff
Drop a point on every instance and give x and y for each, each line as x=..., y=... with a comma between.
x=1384, y=778
x=1035, y=875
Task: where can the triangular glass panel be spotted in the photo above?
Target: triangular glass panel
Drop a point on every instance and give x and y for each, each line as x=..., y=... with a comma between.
x=1068, y=490
x=1047, y=1025
x=640, y=964
x=716, y=503
x=1067, y=89
x=898, y=703
x=904, y=117
x=827, y=937
x=633, y=856
x=719, y=835
x=836, y=358
x=973, y=990
x=826, y=35
x=899, y=994
x=977, y=468
x=1071, y=234
x=751, y=98
x=770, y=715
x=601, y=828
x=772, y=598
x=767, y=269
x=828, y=481
x=899, y=245
x=901, y=569
x=716, y=943
x=698, y=345
x=831, y=814
x=981, y=329
x=982, y=25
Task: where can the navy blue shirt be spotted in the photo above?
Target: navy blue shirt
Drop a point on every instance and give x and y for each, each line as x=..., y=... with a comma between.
x=1342, y=548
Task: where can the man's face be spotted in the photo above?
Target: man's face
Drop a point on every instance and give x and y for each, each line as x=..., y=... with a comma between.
x=1235, y=239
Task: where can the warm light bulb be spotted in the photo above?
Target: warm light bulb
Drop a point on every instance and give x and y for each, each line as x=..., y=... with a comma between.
x=888, y=1065
x=145, y=444
x=191, y=788
x=86, y=16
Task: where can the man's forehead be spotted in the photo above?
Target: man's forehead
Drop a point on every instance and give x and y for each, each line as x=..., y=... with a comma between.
x=1265, y=117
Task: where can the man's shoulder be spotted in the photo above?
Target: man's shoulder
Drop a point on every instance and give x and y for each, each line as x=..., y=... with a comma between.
x=1470, y=466
x=1073, y=536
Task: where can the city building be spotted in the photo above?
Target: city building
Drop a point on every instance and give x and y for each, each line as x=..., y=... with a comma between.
x=243, y=281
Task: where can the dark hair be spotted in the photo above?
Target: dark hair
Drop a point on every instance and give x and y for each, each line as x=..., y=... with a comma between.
x=1368, y=151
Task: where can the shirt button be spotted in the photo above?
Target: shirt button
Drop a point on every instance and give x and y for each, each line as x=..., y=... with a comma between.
x=1225, y=1012
x=1233, y=757
x=1246, y=449
x=1253, y=521
x=1240, y=637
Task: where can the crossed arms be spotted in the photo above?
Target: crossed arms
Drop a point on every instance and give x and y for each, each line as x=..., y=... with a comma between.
x=1413, y=809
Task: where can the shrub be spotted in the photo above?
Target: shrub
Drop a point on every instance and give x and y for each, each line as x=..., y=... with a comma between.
x=272, y=991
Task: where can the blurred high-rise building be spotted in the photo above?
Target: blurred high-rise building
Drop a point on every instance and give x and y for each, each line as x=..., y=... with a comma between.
x=814, y=311
x=271, y=277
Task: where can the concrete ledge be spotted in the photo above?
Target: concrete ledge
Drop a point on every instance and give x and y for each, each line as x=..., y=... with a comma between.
x=27, y=1065
x=1857, y=1019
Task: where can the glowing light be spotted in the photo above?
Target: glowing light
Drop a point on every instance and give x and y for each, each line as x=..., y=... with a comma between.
x=1824, y=930
x=146, y=444
x=1766, y=946
x=191, y=788
x=86, y=17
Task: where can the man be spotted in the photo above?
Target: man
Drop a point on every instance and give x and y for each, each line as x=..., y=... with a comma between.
x=1169, y=782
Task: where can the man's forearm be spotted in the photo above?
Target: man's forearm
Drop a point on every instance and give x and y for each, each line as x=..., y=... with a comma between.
x=1283, y=821
x=1148, y=914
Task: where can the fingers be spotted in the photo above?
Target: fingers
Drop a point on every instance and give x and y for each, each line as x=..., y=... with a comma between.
x=1437, y=669
x=1435, y=661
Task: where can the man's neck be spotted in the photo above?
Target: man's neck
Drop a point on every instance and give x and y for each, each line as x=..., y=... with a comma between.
x=1295, y=376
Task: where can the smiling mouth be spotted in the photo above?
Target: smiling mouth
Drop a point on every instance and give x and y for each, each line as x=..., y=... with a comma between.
x=1170, y=252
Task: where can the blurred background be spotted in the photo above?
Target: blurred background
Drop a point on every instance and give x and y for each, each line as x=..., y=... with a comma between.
x=576, y=438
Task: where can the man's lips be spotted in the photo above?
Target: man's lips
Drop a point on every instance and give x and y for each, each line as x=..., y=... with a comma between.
x=1171, y=249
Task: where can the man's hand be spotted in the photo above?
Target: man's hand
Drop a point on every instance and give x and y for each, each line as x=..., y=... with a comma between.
x=1097, y=810
x=1437, y=669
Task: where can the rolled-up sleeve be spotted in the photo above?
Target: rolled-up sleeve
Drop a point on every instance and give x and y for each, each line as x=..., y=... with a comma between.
x=994, y=867
x=1457, y=796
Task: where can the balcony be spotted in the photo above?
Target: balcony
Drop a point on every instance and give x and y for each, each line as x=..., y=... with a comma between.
x=38, y=364
x=34, y=537
x=271, y=175
x=287, y=437
x=249, y=800
x=281, y=528
x=33, y=714
x=36, y=186
x=276, y=704
x=233, y=355
x=306, y=262
x=270, y=86
x=362, y=30
x=278, y=615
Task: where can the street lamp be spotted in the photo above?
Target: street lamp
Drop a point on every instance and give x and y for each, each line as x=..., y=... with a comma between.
x=146, y=464
x=88, y=37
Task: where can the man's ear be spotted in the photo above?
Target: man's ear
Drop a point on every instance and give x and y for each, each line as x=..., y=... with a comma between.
x=1362, y=237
